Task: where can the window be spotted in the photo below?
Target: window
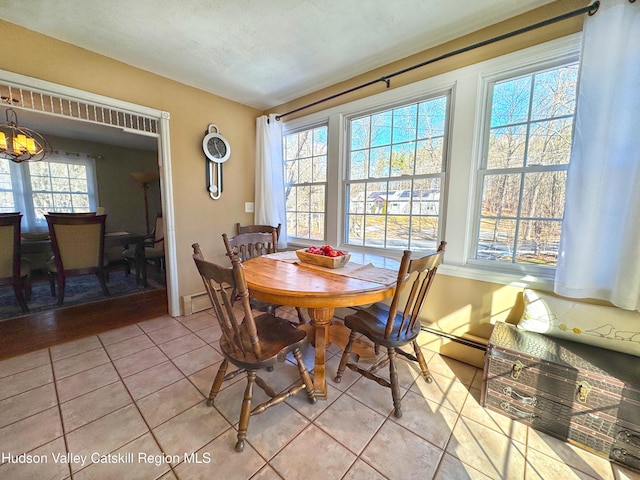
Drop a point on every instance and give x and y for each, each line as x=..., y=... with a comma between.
x=395, y=177
x=524, y=166
x=58, y=184
x=305, y=177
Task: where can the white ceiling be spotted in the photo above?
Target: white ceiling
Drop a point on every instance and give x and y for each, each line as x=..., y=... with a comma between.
x=261, y=53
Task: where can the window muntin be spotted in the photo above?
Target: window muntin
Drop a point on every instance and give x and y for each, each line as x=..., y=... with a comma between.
x=523, y=173
x=305, y=177
x=394, y=189
x=57, y=184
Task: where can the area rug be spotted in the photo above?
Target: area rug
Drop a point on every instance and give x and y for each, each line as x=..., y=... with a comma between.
x=78, y=290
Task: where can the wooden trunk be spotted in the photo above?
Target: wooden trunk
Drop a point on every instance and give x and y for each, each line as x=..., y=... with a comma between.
x=585, y=395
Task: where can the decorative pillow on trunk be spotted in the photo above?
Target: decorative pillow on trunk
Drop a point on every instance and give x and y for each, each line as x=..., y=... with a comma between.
x=602, y=326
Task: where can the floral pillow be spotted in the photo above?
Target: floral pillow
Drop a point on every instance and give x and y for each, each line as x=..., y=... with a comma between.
x=606, y=327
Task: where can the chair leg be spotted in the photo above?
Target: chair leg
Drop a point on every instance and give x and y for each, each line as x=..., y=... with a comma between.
x=423, y=364
x=395, y=387
x=61, y=285
x=345, y=357
x=301, y=319
x=304, y=375
x=17, y=288
x=217, y=383
x=103, y=283
x=245, y=413
x=26, y=287
x=52, y=284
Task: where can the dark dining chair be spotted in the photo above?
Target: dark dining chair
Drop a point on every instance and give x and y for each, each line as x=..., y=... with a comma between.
x=153, y=251
x=249, y=343
x=396, y=325
x=78, y=249
x=14, y=270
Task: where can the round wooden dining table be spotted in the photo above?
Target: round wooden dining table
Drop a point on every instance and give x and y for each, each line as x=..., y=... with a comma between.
x=320, y=292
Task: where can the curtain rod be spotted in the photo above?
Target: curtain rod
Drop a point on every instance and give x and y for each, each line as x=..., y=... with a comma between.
x=591, y=10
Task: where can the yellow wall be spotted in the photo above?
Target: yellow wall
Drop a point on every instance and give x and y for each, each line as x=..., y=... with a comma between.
x=197, y=217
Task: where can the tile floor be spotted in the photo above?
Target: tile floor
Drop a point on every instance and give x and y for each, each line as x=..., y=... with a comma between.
x=130, y=404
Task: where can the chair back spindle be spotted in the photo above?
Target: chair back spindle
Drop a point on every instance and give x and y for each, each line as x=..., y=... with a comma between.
x=251, y=245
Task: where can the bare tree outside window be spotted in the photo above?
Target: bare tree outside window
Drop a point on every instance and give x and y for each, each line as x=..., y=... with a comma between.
x=305, y=178
x=396, y=172
x=523, y=174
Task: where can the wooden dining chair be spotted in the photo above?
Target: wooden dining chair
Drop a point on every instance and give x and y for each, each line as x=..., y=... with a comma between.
x=267, y=229
x=249, y=343
x=14, y=270
x=78, y=249
x=396, y=325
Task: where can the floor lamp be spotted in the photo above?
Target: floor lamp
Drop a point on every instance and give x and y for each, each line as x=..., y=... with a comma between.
x=145, y=178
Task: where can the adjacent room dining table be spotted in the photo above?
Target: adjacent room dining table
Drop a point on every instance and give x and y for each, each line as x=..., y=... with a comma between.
x=282, y=279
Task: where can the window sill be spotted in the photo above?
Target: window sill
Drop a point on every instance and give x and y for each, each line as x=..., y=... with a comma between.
x=516, y=279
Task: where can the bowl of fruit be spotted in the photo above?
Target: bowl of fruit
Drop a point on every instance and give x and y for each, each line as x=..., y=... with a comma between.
x=324, y=256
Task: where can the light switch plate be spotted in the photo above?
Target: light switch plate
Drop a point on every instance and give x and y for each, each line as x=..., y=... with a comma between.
x=248, y=207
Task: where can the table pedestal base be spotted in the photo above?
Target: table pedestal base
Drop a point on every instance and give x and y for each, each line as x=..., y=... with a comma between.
x=321, y=333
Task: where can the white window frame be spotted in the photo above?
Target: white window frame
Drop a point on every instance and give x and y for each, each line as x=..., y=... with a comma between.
x=487, y=88
x=325, y=183
x=468, y=112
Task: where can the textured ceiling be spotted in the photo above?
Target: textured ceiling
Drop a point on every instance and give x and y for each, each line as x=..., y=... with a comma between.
x=260, y=53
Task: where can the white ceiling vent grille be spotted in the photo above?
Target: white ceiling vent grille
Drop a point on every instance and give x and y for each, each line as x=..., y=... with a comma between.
x=44, y=102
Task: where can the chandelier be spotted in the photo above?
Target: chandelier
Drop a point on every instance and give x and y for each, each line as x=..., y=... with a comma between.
x=21, y=144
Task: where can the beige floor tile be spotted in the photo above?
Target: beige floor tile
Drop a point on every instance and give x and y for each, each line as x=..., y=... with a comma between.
x=270, y=431
x=220, y=460
x=140, y=459
x=181, y=345
x=195, y=360
x=191, y=430
x=31, y=432
x=198, y=321
x=266, y=473
x=210, y=334
x=23, y=363
x=45, y=468
x=373, y=395
x=93, y=405
x=229, y=400
x=87, y=381
x=542, y=467
x=571, y=455
x=350, y=422
x=27, y=380
x=168, y=402
x=76, y=347
x=451, y=468
x=311, y=411
x=79, y=363
x=164, y=335
x=427, y=419
x=152, y=379
x=496, y=421
x=158, y=323
x=128, y=346
x=139, y=361
x=26, y=404
x=106, y=434
x=332, y=458
x=413, y=454
x=451, y=368
x=119, y=334
x=362, y=471
x=446, y=391
x=493, y=454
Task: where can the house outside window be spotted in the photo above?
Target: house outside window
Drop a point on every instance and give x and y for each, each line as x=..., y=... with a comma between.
x=396, y=176
x=58, y=184
x=305, y=177
x=521, y=181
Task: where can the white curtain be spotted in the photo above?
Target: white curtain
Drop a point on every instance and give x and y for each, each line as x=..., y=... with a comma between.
x=269, y=201
x=600, y=246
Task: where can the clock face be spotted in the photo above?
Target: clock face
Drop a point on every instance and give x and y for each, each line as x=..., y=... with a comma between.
x=216, y=147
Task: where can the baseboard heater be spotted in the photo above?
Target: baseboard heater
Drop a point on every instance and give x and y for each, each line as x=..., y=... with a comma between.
x=454, y=338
